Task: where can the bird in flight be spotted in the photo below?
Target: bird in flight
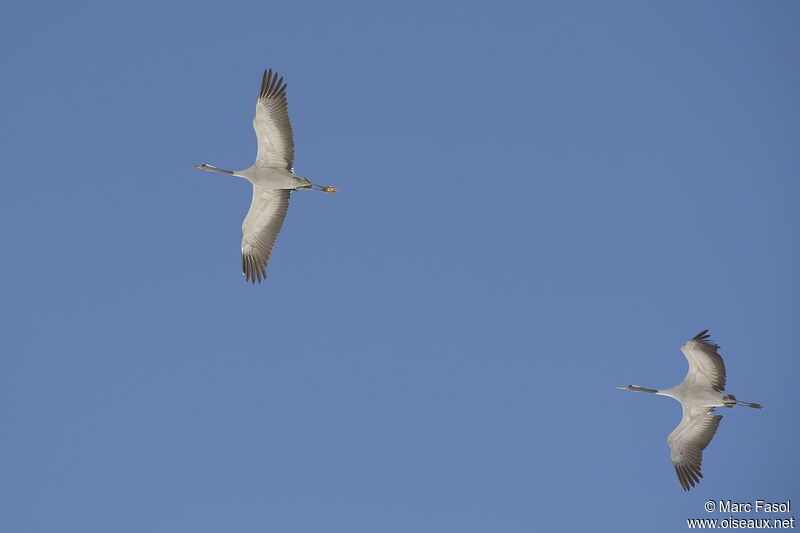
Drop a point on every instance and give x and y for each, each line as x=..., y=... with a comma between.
x=700, y=392
x=272, y=177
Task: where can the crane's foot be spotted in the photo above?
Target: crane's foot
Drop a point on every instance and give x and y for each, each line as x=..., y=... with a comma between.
x=327, y=188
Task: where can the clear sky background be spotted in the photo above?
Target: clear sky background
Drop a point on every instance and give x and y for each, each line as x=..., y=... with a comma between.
x=537, y=203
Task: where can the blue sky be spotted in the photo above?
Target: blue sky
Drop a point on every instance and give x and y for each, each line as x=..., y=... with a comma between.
x=536, y=204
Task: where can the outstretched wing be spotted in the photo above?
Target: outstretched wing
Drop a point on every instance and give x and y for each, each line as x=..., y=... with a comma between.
x=273, y=129
x=687, y=442
x=260, y=229
x=705, y=364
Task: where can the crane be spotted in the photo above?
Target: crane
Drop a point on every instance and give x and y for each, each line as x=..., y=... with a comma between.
x=700, y=392
x=272, y=176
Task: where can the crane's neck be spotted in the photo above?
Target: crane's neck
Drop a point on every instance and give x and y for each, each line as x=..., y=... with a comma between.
x=636, y=388
x=212, y=168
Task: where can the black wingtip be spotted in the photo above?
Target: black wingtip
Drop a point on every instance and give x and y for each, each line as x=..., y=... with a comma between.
x=272, y=85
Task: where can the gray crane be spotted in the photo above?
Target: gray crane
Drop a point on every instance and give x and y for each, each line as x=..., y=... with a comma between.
x=272, y=177
x=700, y=392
